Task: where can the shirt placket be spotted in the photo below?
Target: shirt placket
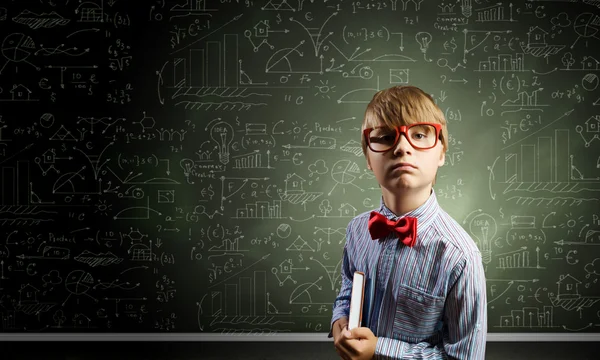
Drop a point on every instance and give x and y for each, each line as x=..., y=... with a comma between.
x=385, y=262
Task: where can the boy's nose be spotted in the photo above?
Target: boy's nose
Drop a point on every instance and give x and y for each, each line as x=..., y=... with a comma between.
x=403, y=145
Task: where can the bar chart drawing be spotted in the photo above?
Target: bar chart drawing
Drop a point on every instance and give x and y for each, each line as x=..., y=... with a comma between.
x=546, y=165
x=211, y=77
x=519, y=259
x=17, y=189
x=260, y=210
x=8, y=320
x=528, y=317
x=253, y=160
x=191, y=6
x=214, y=66
x=493, y=13
x=228, y=246
x=247, y=297
x=547, y=161
x=525, y=99
x=16, y=184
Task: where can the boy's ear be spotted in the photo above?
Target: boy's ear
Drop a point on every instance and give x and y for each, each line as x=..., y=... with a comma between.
x=442, y=159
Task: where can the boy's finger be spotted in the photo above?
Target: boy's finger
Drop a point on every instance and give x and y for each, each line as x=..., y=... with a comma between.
x=360, y=333
x=347, y=345
x=342, y=322
x=344, y=352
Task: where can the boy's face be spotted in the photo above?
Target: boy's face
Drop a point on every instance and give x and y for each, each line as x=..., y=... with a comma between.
x=419, y=173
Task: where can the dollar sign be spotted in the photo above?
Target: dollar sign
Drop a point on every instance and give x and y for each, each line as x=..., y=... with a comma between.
x=453, y=43
x=52, y=97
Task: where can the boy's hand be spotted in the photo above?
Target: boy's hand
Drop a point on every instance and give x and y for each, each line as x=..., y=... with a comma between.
x=357, y=344
x=339, y=326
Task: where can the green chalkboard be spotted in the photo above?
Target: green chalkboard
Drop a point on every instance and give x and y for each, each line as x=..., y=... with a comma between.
x=191, y=166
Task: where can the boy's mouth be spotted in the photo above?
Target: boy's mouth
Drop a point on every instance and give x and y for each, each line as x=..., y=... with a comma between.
x=403, y=165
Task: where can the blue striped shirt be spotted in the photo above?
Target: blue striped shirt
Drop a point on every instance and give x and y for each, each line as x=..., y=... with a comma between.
x=430, y=300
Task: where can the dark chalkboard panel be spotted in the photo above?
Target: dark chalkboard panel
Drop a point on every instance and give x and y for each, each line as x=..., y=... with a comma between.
x=191, y=166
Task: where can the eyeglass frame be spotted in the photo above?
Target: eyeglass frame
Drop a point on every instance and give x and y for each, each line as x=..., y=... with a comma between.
x=403, y=129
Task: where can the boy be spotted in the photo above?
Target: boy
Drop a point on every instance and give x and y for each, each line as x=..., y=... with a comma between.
x=429, y=292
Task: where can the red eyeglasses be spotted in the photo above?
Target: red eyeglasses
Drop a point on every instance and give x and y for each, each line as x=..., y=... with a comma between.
x=421, y=136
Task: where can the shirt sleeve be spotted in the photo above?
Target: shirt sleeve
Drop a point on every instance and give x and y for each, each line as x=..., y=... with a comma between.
x=465, y=321
x=341, y=305
x=387, y=348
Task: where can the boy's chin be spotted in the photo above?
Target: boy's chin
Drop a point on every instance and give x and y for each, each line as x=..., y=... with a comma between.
x=406, y=186
x=402, y=187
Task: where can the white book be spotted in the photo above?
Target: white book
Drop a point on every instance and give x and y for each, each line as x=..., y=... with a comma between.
x=356, y=300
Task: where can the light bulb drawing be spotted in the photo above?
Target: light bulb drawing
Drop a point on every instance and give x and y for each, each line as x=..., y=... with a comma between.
x=424, y=39
x=222, y=135
x=467, y=8
x=483, y=227
x=187, y=165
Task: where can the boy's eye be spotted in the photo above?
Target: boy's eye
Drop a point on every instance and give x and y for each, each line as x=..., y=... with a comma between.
x=419, y=135
x=382, y=136
x=421, y=132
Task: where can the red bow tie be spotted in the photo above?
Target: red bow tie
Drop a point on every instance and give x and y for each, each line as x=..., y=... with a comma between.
x=405, y=228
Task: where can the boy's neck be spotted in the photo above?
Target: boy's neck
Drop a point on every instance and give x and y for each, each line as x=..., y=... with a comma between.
x=402, y=202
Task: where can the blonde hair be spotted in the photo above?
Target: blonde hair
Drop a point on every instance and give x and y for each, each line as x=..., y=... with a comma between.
x=403, y=105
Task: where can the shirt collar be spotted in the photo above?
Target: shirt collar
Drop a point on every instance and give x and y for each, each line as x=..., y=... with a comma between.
x=424, y=213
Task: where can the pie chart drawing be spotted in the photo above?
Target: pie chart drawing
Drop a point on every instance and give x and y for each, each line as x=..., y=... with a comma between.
x=47, y=120
x=586, y=25
x=590, y=82
x=17, y=47
x=284, y=230
x=344, y=172
x=78, y=283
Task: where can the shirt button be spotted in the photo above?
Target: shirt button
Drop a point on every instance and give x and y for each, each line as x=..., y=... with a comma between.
x=420, y=298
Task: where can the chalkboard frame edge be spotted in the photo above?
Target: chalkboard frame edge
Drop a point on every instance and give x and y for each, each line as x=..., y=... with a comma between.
x=289, y=337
